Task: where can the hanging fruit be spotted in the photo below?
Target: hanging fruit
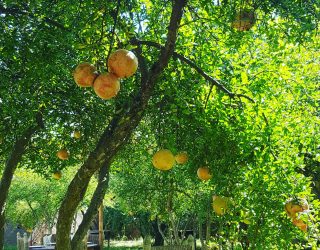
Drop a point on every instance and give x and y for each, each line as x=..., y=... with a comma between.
x=204, y=173
x=63, y=154
x=84, y=74
x=181, y=158
x=57, y=175
x=219, y=204
x=106, y=86
x=294, y=206
x=123, y=63
x=76, y=134
x=163, y=159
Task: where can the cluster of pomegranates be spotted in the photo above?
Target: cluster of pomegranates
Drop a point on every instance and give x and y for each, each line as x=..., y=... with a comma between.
x=121, y=64
x=165, y=160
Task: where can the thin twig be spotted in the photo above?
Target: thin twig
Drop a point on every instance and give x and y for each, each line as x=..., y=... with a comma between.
x=16, y=11
x=193, y=65
x=115, y=20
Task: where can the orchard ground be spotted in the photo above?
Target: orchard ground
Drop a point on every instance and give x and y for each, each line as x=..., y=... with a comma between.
x=114, y=245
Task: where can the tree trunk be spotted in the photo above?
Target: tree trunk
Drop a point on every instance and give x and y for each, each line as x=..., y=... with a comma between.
x=209, y=220
x=11, y=165
x=2, y=224
x=158, y=239
x=93, y=207
x=83, y=243
x=116, y=134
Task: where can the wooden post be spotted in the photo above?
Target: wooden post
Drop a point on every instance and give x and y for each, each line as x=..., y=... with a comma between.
x=101, y=233
x=25, y=242
x=18, y=241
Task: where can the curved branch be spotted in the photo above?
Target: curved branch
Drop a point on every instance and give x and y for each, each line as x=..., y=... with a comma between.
x=210, y=79
x=92, y=210
x=115, y=20
x=15, y=10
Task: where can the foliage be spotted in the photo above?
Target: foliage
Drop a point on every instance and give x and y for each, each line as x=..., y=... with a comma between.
x=252, y=149
x=34, y=201
x=260, y=137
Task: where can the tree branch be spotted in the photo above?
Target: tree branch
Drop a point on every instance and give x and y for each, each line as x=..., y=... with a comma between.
x=210, y=79
x=116, y=134
x=92, y=210
x=15, y=10
x=115, y=20
x=142, y=64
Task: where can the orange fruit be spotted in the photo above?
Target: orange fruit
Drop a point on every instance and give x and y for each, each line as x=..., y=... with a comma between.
x=57, y=175
x=123, y=63
x=63, y=154
x=106, y=86
x=204, y=173
x=84, y=74
x=163, y=159
x=181, y=158
x=294, y=206
x=300, y=224
x=219, y=204
x=76, y=134
x=244, y=20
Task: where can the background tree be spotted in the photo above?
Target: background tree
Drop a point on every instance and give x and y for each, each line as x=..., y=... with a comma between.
x=34, y=201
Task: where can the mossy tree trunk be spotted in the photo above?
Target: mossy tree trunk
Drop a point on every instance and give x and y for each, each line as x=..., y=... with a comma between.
x=10, y=167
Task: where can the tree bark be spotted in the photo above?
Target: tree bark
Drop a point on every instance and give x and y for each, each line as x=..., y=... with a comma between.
x=116, y=134
x=10, y=167
x=93, y=207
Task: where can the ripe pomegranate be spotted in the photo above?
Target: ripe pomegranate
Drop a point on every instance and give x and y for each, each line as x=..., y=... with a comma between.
x=106, y=85
x=123, y=63
x=300, y=224
x=294, y=206
x=181, y=158
x=84, y=74
x=163, y=159
x=204, y=173
x=63, y=154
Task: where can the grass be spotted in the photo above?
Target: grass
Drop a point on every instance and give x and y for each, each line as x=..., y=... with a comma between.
x=105, y=248
x=10, y=248
x=121, y=248
x=124, y=245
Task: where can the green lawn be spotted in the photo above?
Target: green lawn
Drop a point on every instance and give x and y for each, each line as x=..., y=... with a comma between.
x=10, y=248
x=122, y=248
